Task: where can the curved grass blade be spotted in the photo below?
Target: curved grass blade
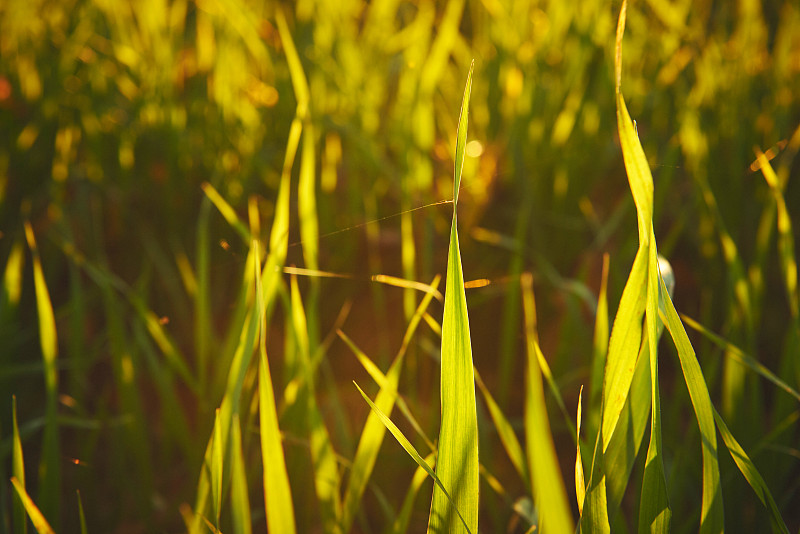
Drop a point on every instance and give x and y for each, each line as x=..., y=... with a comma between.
x=398, y=435
x=750, y=473
x=39, y=522
x=594, y=514
x=547, y=484
x=457, y=462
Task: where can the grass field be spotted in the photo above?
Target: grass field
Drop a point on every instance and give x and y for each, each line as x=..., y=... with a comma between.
x=389, y=266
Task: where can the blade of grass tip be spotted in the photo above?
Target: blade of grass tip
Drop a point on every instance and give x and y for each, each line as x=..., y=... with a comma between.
x=506, y=432
x=750, y=473
x=81, y=515
x=400, y=523
x=39, y=522
x=18, y=471
x=712, y=515
x=457, y=463
x=409, y=448
x=373, y=433
x=547, y=484
x=326, y=471
x=49, y=469
x=277, y=493
x=240, y=501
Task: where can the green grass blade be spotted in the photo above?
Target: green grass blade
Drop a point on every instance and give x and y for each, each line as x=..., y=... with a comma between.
x=240, y=500
x=18, y=471
x=547, y=484
x=12, y=277
x=372, y=435
x=457, y=463
x=39, y=522
x=712, y=517
x=750, y=473
x=409, y=448
x=49, y=469
x=623, y=348
x=277, y=493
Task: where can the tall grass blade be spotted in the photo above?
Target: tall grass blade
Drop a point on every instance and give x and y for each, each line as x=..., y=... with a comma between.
x=277, y=493
x=39, y=522
x=457, y=462
x=547, y=484
x=580, y=480
x=49, y=468
x=18, y=471
x=409, y=448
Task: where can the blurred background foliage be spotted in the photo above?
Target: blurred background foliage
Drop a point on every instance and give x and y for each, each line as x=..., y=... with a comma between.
x=112, y=115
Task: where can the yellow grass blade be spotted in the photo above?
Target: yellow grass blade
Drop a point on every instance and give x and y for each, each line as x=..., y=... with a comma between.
x=39, y=522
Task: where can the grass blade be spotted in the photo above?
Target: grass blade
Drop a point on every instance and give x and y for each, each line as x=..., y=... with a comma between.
x=547, y=484
x=39, y=522
x=750, y=473
x=409, y=448
x=457, y=463
x=400, y=524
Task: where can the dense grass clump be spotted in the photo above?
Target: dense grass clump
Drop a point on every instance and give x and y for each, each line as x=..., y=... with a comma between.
x=229, y=290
